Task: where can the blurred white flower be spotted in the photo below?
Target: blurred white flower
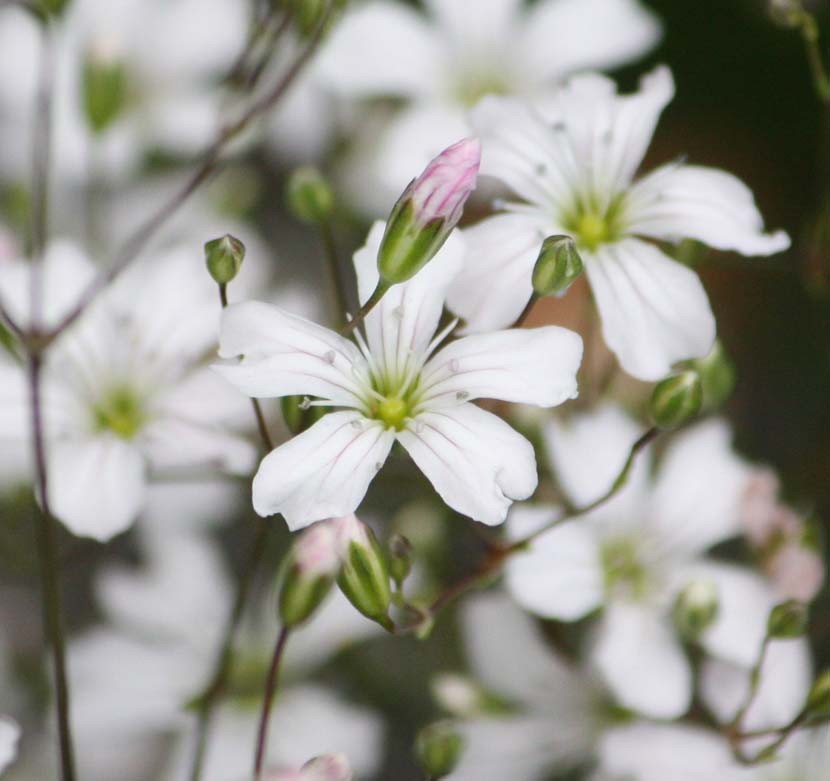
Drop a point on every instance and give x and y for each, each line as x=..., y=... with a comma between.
x=394, y=388
x=556, y=707
x=443, y=62
x=634, y=554
x=331, y=767
x=9, y=736
x=125, y=390
x=574, y=171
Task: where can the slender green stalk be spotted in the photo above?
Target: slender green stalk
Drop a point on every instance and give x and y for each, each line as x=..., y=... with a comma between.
x=271, y=685
x=373, y=300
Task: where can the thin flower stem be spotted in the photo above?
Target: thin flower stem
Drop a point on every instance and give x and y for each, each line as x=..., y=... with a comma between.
x=373, y=300
x=333, y=265
x=754, y=685
x=271, y=685
x=49, y=575
x=812, y=45
x=209, y=162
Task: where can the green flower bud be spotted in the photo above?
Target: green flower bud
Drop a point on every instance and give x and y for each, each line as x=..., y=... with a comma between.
x=309, y=195
x=400, y=558
x=787, y=620
x=438, y=748
x=676, y=400
x=310, y=574
x=557, y=267
x=364, y=574
x=427, y=212
x=104, y=87
x=224, y=258
x=717, y=377
x=696, y=608
x=818, y=700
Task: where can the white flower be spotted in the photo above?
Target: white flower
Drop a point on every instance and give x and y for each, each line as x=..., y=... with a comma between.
x=573, y=170
x=392, y=387
x=9, y=736
x=558, y=706
x=124, y=390
x=634, y=554
x=444, y=61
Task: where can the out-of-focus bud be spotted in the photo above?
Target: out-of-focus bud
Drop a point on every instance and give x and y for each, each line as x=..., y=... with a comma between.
x=557, y=267
x=309, y=195
x=458, y=695
x=676, y=400
x=427, y=212
x=311, y=569
x=400, y=558
x=438, y=748
x=300, y=414
x=331, y=767
x=104, y=85
x=797, y=571
x=717, y=377
x=223, y=257
x=787, y=620
x=818, y=700
x=786, y=12
x=696, y=608
x=364, y=575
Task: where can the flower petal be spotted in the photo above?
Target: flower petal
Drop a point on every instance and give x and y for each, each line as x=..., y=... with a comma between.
x=692, y=202
x=493, y=22
x=534, y=366
x=654, y=310
x=323, y=472
x=643, y=662
x=284, y=355
x=564, y=36
x=96, y=485
x=474, y=460
x=401, y=327
x=495, y=284
x=9, y=736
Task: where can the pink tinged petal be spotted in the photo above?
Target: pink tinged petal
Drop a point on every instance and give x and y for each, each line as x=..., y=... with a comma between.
x=564, y=36
x=495, y=283
x=324, y=472
x=96, y=485
x=474, y=460
x=654, y=310
x=560, y=575
x=9, y=737
x=692, y=202
x=382, y=49
x=699, y=490
x=643, y=662
x=286, y=355
x=401, y=327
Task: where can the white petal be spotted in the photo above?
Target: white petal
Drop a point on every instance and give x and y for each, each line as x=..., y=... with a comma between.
x=493, y=22
x=692, y=202
x=495, y=283
x=324, y=472
x=535, y=366
x=654, y=310
x=404, y=322
x=9, y=736
x=564, y=36
x=96, y=485
x=560, y=575
x=667, y=752
x=285, y=355
x=699, y=488
x=381, y=49
x=474, y=460
x=643, y=662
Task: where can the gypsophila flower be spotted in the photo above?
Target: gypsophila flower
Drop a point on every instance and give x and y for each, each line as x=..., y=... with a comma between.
x=573, y=169
x=395, y=385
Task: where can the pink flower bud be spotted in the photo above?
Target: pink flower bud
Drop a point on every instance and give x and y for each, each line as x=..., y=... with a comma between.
x=759, y=507
x=316, y=551
x=797, y=572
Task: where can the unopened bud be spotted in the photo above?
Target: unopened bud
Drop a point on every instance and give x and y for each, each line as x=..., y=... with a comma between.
x=787, y=620
x=400, y=558
x=557, y=267
x=309, y=195
x=676, y=400
x=224, y=258
x=438, y=748
x=427, y=212
x=818, y=700
x=696, y=608
x=717, y=377
x=312, y=567
x=104, y=85
x=364, y=575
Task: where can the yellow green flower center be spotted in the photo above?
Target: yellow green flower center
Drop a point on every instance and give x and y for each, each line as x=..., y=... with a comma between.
x=592, y=226
x=623, y=568
x=478, y=84
x=393, y=411
x=121, y=412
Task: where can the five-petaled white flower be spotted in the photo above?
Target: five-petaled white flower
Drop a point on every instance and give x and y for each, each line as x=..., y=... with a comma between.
x=443, y=62
x=633, y=555
x=574, y=172
x=393, y=386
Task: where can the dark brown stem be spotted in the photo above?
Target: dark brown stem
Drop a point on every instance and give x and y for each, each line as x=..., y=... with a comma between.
x=271, y=684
